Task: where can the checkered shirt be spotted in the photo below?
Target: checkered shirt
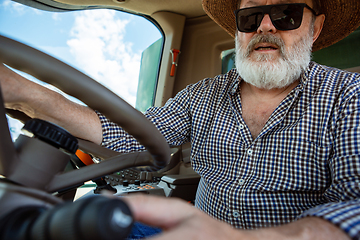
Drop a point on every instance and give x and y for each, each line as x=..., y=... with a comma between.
x=305, y=161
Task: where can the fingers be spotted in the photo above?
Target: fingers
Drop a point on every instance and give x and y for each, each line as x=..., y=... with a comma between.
x=159, y=211
x=178, y=219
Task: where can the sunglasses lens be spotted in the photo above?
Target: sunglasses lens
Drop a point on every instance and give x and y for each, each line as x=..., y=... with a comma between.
x=283, y=16
x=248, y=20
x=287, y=17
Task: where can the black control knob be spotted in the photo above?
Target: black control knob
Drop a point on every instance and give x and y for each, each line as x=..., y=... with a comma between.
x=90, y=218
x=51, y=134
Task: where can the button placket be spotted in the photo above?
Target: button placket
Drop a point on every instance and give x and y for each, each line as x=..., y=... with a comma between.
x=236, y=214
x=241, y=181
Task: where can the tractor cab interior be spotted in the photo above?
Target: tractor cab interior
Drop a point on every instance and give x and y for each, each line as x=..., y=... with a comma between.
x=42, y=166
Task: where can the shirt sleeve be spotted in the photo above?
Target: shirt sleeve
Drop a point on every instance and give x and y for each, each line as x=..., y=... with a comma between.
x=172, y=120
x=116, y=138
x=343, y=195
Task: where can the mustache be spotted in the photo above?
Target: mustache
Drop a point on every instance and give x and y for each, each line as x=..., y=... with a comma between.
x=271, y=39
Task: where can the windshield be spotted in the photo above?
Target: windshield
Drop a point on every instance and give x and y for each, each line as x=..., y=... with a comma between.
x=108, y=45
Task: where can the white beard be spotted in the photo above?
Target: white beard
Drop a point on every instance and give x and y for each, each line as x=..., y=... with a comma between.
x=265, y=71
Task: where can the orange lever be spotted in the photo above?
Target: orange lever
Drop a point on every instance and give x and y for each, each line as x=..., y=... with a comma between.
x=174, y=53
x=84, y=157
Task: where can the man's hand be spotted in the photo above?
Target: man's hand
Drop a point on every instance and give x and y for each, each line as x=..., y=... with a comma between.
x=39, y=102
x=180, y=220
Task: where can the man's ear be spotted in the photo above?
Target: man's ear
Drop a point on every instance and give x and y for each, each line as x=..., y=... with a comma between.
x=318, y=25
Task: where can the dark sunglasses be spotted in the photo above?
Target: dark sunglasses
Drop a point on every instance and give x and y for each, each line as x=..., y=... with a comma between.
x=283, y=16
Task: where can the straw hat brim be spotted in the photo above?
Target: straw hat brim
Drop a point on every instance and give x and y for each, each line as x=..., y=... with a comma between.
x=342, y=17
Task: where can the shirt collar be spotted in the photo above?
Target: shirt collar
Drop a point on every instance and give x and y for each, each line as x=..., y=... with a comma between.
x=234, y=87
x=306, y=75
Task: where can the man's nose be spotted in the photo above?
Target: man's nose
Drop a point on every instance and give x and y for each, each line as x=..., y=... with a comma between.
x=266, y=25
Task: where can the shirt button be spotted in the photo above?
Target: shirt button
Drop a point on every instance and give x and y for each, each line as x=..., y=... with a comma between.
x=249, y=151
x=236, y=214
x=241, y=181
x=241, y=126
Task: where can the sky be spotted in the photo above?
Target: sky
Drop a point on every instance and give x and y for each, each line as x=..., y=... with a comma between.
x=104, y=44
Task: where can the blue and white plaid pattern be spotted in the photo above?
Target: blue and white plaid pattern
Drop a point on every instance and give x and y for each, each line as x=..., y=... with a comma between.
x=305, y=162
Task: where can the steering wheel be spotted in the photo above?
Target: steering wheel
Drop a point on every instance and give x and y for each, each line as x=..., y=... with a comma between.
x=96, y=96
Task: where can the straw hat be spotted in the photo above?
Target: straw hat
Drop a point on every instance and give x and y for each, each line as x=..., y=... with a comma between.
x=341, y=18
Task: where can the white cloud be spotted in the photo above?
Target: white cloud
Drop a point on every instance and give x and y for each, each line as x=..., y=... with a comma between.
x=13, y=6
x=17, y=7
x=98, y=46
x=56, y=16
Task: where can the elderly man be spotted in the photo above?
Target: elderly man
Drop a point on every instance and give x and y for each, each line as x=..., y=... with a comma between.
x=275, y=140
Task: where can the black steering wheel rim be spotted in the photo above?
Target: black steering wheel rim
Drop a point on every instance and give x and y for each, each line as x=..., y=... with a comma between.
x=73, y=82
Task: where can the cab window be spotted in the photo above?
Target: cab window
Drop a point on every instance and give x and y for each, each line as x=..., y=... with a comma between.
x=120, y=50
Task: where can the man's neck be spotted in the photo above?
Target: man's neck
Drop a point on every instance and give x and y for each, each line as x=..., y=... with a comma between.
x=258, y=104
x=265, y=95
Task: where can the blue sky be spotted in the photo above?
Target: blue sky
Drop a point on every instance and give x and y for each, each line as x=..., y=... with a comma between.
x=22, y=22
x=105, y=44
